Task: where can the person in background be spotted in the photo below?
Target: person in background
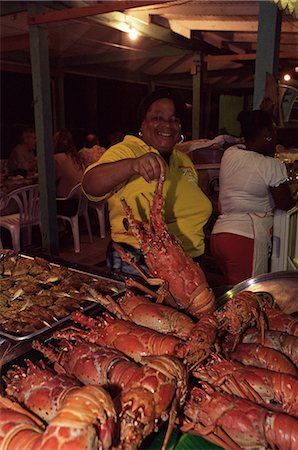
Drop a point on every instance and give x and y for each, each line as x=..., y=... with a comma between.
x=251, y=184
x=22, y=159
x=92, y=151
x=69, y=167
x=130, y=170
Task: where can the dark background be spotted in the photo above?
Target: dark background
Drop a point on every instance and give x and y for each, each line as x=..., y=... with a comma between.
x=96, y=105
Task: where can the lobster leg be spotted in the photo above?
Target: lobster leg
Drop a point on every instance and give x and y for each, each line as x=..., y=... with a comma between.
x=163, y=290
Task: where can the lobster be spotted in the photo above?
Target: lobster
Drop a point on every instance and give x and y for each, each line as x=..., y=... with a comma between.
x=167, y=260
x=235, y=423
x=143, y=395
x=136, y=341
x=143, y=311
x=279, y=321
x=239, y=313
x=277, y=391
x=83, y=422
x=281, y=341
x=199, y=337
x=259, y=356
x=39, y=388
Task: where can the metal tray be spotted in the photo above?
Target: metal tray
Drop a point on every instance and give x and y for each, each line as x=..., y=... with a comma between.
x=117, y=286
x=11, y=349
x=281, y=286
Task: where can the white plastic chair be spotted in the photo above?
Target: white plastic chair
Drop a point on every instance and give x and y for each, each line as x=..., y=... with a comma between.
x=100, y=208
x=27, y=200
x=82, y=210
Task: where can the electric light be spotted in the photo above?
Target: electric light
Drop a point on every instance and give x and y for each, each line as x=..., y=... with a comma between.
x=133, y=34
x=287, y=77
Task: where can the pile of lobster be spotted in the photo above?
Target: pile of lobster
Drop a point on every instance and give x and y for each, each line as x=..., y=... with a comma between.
x=227, y=374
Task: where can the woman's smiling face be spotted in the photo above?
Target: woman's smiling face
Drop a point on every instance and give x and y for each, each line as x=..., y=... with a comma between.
x=161, y=128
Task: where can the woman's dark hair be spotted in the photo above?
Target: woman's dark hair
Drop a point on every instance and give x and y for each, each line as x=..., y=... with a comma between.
x=64, y=143
x=179, y=103
x=252, y=122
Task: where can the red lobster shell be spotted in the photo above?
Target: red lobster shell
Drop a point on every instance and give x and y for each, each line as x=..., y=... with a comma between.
x=167, y=260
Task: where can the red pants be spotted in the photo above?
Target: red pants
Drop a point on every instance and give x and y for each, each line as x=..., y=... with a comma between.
x=234, y=255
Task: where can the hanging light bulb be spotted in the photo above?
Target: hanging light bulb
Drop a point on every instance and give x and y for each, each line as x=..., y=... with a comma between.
x=287, y=77
x=133, y=34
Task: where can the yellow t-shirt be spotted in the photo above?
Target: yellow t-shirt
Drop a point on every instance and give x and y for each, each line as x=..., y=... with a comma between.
x=186, y=209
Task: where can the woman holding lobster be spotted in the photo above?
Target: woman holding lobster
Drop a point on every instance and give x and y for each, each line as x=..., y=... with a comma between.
x=130, y=168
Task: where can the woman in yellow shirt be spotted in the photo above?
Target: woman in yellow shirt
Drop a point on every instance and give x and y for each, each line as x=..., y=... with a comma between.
x=130, y=169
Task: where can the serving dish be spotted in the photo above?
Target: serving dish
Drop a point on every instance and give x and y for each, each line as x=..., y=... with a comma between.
x=36, y=301
x=282, y=287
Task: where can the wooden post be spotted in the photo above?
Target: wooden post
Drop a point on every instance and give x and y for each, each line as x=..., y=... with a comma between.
x=196, y=94
x=267, y=48
x=43, y=123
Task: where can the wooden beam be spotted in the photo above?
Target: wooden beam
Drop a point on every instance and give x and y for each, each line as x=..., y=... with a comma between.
x=87, y=11
x=116, y=56
x=226, y=23
x=121, y=22
x=246, y=56
x=12, y=43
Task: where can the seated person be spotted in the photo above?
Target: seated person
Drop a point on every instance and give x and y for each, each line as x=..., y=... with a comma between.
x=22, y=159
x=69, y=168
x=92, y=151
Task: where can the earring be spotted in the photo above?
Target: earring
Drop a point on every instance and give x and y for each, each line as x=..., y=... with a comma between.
x=268, y=138
x=140, y=133
x=181, y=138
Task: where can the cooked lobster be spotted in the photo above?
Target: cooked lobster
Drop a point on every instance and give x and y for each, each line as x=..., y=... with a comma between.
x=239, y=313
x=167, y=260
x=235, y=423
x=259, y=356
x=39, y=388
x=144, y=395
x=136, y=341
x=281, y=341
x=200, y=337
x=272, y=389
x=83, y=422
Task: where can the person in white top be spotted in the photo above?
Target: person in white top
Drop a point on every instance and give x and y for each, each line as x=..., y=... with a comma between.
x=251, y=184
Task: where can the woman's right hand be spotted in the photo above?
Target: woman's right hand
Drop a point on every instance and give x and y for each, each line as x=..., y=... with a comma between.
x=150, y=166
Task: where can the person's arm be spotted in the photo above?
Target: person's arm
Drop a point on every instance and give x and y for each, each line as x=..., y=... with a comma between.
x=282, y=196
x=101, y=179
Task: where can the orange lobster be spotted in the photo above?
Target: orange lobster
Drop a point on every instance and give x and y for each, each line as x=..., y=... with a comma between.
x=136, y=341
x=199, y=337
x=239, y=313
x=235, y=423
x=80, y=423
x=274, y=390
x=277, y=320
x=281, y=341
x=39, y=388
x=167, y=260
x=259, y=356
x=143, y=394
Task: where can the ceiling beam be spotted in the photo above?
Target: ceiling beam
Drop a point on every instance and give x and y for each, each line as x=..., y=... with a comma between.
x=245, y=56
x=87, y=11
x=124, y=55
x=12, y=43
x=122, y=22
x=222, y=23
